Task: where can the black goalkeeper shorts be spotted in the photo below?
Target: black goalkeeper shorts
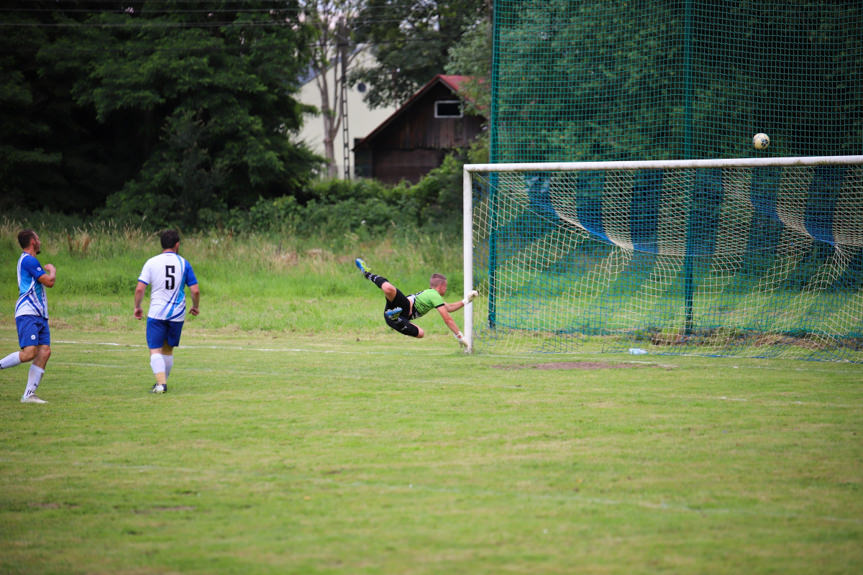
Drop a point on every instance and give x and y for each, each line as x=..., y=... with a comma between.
x=401, y=323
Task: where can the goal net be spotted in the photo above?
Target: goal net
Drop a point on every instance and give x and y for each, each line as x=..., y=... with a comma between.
x=759, y=257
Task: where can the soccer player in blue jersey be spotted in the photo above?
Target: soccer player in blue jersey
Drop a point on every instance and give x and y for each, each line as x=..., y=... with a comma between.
x=31, y=314
x=168, y=274
x=400, y=309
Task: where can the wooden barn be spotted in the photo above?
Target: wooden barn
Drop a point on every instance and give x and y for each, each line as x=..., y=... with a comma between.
x=416, y=137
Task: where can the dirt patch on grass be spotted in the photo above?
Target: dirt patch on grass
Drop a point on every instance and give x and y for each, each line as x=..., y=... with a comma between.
x=573, y=365
x=54, y=505
x=160, y=508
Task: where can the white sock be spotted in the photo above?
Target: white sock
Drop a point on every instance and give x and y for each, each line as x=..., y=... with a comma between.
x=169, y=363
x=157, y=363
x=33, y=379
x=11, y=360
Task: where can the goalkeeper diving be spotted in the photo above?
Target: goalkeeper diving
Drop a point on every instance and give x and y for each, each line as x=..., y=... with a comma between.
x=401, y=309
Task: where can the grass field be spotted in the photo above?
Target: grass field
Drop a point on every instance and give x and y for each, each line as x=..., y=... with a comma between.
x=321, y=442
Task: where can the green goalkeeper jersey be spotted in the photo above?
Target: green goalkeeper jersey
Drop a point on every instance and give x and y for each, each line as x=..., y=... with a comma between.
x=425, y=301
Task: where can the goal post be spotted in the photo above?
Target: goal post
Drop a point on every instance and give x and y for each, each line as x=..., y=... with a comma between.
x=742, y=257
x=467, y=256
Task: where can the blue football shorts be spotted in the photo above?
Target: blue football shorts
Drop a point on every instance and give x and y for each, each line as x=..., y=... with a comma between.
x=162, y=331
x=32, y=330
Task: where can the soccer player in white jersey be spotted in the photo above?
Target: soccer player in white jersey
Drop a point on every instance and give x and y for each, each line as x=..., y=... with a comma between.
x=168, y=274
x=31, y=314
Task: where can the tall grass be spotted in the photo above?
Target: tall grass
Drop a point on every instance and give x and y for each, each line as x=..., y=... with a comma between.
x=248, y=282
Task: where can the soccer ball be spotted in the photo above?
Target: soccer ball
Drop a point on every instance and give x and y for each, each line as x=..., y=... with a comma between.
x=760, y=141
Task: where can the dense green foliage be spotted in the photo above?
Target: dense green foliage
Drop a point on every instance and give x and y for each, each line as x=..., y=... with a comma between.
x=411, y=43
x=655, y=80
x=471, y=57
x=164, y=109
x=330, y=208
x=320, y=208
x=31, y=155
x=333, y=208
x=179, y=113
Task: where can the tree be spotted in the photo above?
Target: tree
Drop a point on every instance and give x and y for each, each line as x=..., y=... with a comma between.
x=30, y=161
x=472, y=57
x=410, y=41
x=186, y=107
x=333, y=52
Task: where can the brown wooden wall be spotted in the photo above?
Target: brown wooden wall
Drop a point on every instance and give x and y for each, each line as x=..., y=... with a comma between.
x=415, y=142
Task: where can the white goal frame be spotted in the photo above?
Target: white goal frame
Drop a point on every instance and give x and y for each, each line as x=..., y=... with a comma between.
x=467, y=193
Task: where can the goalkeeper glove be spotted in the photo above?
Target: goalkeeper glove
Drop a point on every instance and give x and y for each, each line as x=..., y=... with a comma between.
x=470, y=297
x=461, y=340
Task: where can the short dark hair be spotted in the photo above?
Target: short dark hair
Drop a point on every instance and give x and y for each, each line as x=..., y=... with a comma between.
x=436, y=280
x=25, y=237
x=169, y=238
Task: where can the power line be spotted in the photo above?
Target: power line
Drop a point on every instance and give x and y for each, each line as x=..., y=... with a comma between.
x=145, y=25
x=141, y=23
x=154, y=21
x=194, y=50
x=137, y=13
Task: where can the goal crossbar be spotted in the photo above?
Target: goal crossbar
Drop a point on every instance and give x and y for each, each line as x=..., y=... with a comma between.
x=665, y=164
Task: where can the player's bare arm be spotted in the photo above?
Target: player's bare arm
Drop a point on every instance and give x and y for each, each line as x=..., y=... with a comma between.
x=139, y=297
x=450, y=323
x=448, y=320
x=48, y=278
x=196, y=298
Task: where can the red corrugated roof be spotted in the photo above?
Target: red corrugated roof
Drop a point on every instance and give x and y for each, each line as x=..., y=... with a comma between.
x=454, y=82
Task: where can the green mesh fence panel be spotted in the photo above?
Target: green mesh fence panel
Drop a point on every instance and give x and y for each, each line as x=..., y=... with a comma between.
x=755, y=262
x=651, y=80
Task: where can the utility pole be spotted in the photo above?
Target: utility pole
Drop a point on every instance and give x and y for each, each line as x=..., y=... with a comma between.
x=343, y=54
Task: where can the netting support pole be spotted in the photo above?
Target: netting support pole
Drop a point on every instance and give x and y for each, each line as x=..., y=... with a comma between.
x=688, y=292
x=687, y=83
x=688, y=281
x=492, y=251
x=467, y=245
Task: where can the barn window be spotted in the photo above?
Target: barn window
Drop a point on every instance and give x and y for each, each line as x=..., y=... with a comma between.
x=447, y=109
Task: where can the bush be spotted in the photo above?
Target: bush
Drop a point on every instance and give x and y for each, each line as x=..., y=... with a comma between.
x=330, y=208
x=362, y=208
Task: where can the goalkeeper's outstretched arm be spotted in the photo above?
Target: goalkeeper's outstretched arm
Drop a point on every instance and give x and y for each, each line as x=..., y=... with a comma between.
x=445, y=310
x=457, y=305
x=448, y=320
